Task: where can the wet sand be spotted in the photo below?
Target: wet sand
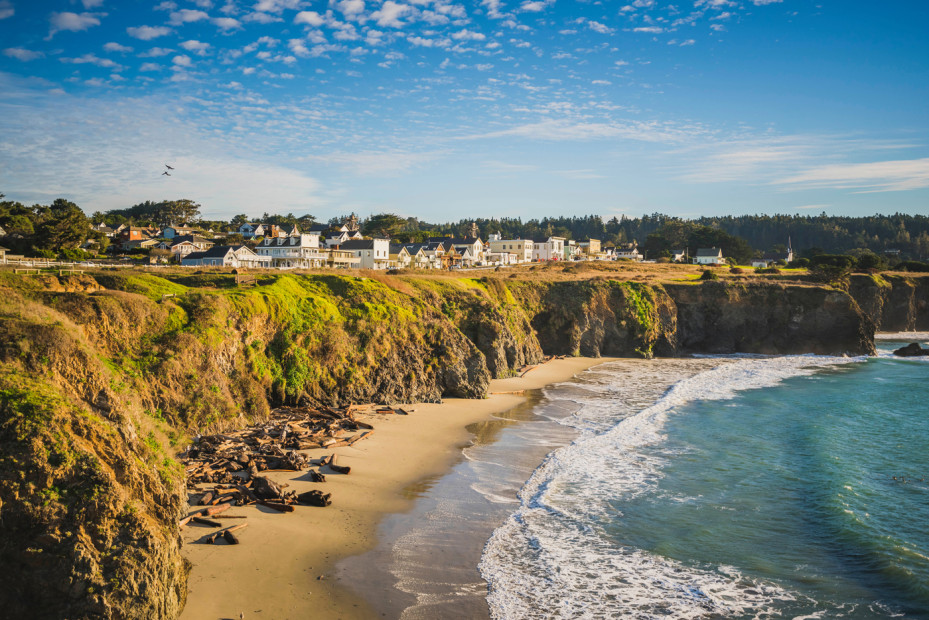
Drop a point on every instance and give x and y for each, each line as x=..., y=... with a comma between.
x=284, y=566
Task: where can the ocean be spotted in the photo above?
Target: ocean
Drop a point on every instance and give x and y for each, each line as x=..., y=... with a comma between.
x=716, y=487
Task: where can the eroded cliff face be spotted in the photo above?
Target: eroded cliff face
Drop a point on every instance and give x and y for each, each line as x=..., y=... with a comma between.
x=894, y=303
x=769, y=318
x=103, y=377
x=599, y=317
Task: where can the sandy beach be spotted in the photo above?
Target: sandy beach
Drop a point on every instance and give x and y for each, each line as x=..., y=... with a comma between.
x=284, y=566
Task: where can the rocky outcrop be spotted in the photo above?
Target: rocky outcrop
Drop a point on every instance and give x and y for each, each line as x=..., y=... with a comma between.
x=911, y=350
x=769, y=318
x=894, y=303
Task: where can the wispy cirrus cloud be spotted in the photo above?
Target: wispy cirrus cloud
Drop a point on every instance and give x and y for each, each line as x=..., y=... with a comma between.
x=568, y=130
x=6, y=9
x=880, y=176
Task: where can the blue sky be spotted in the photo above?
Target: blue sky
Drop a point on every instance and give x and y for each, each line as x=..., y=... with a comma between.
x=443, y=109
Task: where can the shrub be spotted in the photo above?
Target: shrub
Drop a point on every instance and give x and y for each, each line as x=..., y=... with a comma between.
x=800, y=263
x=914, y=266
x=841, y=261
x=709, y=274
x=736, y=270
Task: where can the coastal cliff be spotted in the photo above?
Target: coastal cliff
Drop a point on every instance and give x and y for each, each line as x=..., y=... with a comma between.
x=105, y=376
x=894, y=303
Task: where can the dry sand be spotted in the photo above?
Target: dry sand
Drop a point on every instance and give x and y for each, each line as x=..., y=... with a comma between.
x=283, y=565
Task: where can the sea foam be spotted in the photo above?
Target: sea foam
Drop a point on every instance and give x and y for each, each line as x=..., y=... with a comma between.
x=551, y=557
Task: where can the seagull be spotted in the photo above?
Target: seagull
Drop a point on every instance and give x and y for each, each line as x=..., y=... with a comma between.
x=165, y=173
x=169, y=167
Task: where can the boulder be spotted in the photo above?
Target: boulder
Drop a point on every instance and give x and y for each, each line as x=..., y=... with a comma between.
x=911, y=350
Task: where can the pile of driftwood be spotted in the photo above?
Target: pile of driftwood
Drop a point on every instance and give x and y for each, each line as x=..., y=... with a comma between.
x=230, y=463
x=273, y=445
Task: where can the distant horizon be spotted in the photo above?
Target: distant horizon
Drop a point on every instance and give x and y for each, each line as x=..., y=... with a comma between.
x=437, y=109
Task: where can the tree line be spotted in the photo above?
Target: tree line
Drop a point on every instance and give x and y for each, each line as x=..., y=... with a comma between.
x=62, y=226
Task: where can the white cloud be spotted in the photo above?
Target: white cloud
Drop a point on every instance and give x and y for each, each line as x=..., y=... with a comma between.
x=651, y=29
x=390, y=13
x=276, y=6
x=181, y=60
x=185, y=16
x=533, y=6
x=92, y=59
x=598, y=27
x=310, y=18
x=262, y=18
x=883, y=176
x=351, y=8
x=493, y=8
x=298, y=47
x=22, y=54
x=197, y=47
x=166, y=6
x=91, y=4
x=156, y=52
x=150, y=66
x=116, y=47
x=421, y=42
x=226, y=23
x=6, y=9
x=566, y=130
x=73, y=22
x=147, y=33
x=764, y=2
x=468, y=35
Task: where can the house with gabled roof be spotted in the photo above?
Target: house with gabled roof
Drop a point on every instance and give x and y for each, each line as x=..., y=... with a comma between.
x=709, y=256
x=373, y=253
x=628, y=251
x=399, y=256
x=226, y=256
x=170, y=232
x=548, y=248
x=301, y=251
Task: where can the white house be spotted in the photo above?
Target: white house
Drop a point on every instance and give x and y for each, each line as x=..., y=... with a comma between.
x=551, y=248
x=226, y=256
x=522, y=248
x=374, y=253
x=678, y=256
x=301, y=251
x=709, y=256
x=628, y=251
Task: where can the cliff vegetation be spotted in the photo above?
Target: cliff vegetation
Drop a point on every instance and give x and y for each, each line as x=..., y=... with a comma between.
x=105, y=376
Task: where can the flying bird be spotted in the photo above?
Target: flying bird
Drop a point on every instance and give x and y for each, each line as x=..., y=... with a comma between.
x=169, y=167
x=165, y=173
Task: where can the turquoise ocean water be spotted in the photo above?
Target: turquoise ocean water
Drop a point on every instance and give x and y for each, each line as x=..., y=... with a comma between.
x=790, y=487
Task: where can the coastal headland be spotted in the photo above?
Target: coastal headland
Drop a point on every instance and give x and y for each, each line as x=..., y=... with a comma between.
x=107, y=375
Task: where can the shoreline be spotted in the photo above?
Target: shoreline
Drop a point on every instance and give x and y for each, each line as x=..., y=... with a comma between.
x=284, y=567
